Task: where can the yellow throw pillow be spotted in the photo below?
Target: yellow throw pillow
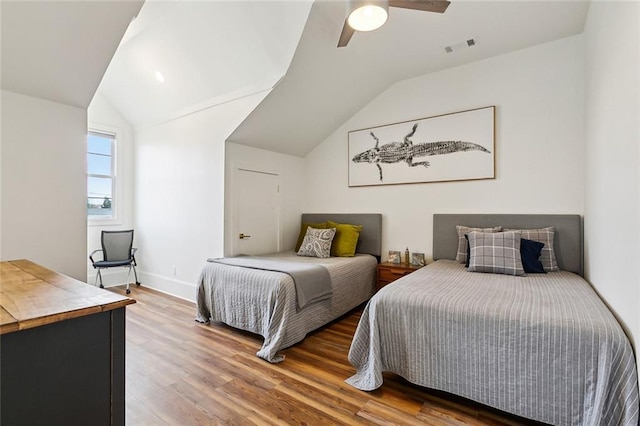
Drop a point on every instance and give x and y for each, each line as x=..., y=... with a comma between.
x=303, y=231
x=346, y=239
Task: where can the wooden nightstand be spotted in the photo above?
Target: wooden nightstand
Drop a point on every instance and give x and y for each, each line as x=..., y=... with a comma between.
x=389, y=272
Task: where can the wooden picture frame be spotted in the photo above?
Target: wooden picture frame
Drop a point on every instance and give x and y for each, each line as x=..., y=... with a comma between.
x=417, y=259
x=450, y=147
x=394, y=257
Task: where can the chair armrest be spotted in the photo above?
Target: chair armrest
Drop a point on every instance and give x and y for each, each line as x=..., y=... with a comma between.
x=91, y=255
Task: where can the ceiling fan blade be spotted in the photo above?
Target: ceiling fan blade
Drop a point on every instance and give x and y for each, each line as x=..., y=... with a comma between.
x=426, y=5
x=346, y=34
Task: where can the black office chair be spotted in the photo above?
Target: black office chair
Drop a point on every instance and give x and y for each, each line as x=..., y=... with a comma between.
x=117, y=251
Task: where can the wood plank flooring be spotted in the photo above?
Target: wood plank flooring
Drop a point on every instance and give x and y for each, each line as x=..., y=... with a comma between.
x=180, y=372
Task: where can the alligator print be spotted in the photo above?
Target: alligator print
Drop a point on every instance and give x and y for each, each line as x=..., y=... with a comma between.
x=396, y=152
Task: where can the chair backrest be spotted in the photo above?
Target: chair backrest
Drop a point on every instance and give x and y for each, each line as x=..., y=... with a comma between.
x=117, y=245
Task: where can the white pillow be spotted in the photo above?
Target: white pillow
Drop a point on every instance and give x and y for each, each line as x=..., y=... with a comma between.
x=317, y=242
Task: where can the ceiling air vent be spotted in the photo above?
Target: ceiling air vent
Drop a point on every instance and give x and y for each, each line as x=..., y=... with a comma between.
x=459, y=46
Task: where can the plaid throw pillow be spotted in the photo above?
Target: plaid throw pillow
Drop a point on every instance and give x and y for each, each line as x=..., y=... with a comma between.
x=545, y=236
x=461, y=255
x=317, y=243
x=498, y=253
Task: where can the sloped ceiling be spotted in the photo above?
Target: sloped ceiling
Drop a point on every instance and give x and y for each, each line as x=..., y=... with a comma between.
x=208, y=52
x=59, y=50
x=325, y=85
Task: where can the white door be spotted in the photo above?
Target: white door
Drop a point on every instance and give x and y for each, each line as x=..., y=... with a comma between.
x=256, y=227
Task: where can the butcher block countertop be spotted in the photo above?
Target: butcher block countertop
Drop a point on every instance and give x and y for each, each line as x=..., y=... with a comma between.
x=32, y=295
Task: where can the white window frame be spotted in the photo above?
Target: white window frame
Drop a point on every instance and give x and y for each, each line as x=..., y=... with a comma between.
x=116, y=199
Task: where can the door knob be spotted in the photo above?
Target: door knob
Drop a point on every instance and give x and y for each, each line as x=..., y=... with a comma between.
x=243, y=236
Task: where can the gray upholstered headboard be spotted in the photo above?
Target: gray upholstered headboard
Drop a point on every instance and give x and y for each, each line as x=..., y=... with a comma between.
x=370, y=240
x=567, y=239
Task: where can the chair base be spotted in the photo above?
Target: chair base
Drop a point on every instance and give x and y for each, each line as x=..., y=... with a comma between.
x=127, y=290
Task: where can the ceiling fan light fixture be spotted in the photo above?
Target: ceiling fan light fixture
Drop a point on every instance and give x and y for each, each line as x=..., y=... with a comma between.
x=368, y=16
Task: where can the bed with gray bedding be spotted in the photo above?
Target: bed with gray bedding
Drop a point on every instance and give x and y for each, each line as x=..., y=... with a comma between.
x=264, y=301
x=542, y=346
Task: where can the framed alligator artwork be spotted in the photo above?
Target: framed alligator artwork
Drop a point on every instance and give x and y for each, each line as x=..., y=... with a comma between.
x=448, y=147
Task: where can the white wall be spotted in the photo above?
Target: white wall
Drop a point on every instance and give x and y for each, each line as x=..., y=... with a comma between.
x=179, y=195
x=538, y=94
x=291, y=172
x=44, y=183
x=102, y=115
x=612, y=116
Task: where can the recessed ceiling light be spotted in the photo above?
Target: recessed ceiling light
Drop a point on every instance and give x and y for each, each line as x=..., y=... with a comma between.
x=159, y=77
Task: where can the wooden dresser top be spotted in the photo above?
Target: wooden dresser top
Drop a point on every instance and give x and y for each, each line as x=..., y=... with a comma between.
x=32, y=295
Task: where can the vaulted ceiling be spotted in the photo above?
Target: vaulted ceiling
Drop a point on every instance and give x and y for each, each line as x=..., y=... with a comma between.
x=59, y=50
x=207, y=52
x=211, y=52
x=325, y=85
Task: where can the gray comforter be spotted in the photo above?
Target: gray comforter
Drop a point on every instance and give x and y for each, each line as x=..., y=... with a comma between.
x=544, y=346
x=265, y=302
x=312, y=282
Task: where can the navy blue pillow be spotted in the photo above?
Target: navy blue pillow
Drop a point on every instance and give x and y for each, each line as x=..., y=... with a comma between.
x=466, y=264
x=530, y=254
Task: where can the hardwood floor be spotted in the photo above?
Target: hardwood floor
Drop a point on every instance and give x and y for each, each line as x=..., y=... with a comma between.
x=180, y=372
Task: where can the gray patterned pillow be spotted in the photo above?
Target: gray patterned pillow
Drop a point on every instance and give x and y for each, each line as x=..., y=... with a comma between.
x=498, y=252
x=545, y=236
x=461, y=255
x=317, y=242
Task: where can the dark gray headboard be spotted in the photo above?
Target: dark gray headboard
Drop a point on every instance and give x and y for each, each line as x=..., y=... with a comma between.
x=567, y=239
x=370, y=240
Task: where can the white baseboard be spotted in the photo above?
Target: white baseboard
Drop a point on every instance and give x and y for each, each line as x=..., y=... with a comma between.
x=181, y=289
x=118, y=276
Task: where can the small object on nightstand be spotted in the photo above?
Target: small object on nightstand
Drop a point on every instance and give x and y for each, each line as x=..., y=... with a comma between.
x=417, y=259
x=394, y=256
x=389, y=272
x=406, y=255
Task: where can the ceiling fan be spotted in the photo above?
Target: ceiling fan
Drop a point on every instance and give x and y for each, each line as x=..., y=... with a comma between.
x=368, y=15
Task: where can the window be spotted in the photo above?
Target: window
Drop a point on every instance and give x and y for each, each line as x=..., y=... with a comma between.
x=101, y=177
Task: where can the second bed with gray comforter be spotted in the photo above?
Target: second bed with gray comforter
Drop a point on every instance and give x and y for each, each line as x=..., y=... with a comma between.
x=265, y=302
x=542, y=346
